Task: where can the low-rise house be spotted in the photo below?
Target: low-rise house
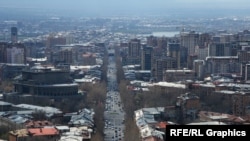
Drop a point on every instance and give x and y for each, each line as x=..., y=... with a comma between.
x=82, y=133
x=48, y=134
x=148, y=121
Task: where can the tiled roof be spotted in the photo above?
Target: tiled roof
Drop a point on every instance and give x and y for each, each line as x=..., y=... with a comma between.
x=43, y=131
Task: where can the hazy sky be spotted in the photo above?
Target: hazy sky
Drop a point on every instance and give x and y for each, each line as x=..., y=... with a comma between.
x=113, y=7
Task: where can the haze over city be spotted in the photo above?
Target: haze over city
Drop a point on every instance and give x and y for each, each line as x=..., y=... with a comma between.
x=129, y=7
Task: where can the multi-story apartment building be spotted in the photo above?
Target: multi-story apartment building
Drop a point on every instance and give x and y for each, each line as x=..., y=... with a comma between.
x=178, y=75
x=134, y=48
x=189, y=40
x=3, y=54
x=244, y=54
x=188, y=105
x=198, y=68
x=12, y=53
x=222, y=64
x=223, y=38
x=241, y=104
x=204, y=39
x=16, y=55
x=65, y=55
x=162, y=43
x=173, y=50
x=152, y=41
x=161, y=65
x=202, y=52
x=14, y=35
x=146, y=57
x=52, y=41
x=55, y=40
x=244, y=36
x=220, y=49
x=246, y=72
x=134, y=52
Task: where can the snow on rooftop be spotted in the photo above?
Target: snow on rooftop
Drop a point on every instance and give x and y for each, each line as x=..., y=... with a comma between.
x=39, y=108
x=216, y=117
x=79, y=67
x=169, y=84
x=207, y=123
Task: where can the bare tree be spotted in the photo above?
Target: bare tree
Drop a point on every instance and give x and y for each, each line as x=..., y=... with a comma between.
x=131, y=131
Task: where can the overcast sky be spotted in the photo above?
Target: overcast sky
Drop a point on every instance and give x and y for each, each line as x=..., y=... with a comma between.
x=113, y=7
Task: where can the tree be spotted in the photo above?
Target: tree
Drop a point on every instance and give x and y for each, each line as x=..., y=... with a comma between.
x=131, y=131
x=96, y=94
x=4, y=132
x=7, y=86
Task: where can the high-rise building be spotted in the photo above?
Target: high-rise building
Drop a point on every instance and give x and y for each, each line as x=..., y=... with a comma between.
x=223, y=38
x=173, y=50
x=134, y=52
x=244, y=54
x=162, y=43
x=202, y=52
x=146, y=57
x=65, y=55
x=247, y=72
x=220, y=49
x=198, y=67
x=204, y=40
x=244, y=35
x=190, y=61
x=189, y=40
x=16, y=55
x=223, y=64
x=12, y=53
x=183, y=56
x=152, y=41
x=3, y=54
x=161, y=65
x=55, y=40
x=14, y=35
x=134, y=48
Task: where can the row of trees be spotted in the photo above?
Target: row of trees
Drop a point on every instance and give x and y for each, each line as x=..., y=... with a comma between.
x=96, y=94
x=128, y=101
x=134, y=100
x=96, y=99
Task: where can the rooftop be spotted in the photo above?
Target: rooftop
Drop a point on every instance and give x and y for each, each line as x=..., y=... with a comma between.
x=71, y=138
x=207, y=123
x=33, y=124
x=2, y=103
x=43, y=131
x=46, y=109
x=184, y=70
x=19, y=133
x=169, y=84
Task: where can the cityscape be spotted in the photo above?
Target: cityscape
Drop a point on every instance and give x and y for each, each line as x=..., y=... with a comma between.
x=96, y=71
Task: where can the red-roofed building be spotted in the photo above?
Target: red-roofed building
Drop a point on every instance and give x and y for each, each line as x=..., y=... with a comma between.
x=48, y=134
x=161, y=125
x=43, y=131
